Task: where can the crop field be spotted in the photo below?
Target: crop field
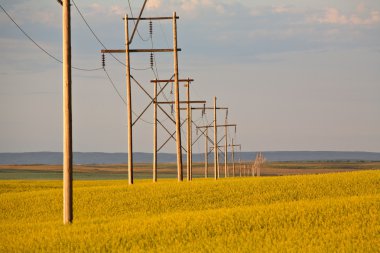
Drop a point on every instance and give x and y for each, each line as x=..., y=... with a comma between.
x=169, y=170
x=310, y=213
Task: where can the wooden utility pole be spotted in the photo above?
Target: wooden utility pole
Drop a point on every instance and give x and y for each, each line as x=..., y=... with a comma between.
x=240, y=166
x=225, y=147
x=157, y=105
x=191, y=146
x=189, y=133
x=216, y=158
x=129, y=102
x=216, y=147
x=206, y=154
x=176, y=96
x=155, y=134
x=189, y=136
x=231, y=145
x=67, y=116
x=233, y=158
x=206, y=132
x=258, y=163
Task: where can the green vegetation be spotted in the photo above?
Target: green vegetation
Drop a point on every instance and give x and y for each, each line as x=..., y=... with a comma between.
x=313, y=213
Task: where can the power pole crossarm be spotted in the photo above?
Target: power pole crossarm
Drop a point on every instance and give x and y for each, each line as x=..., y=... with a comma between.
x=183, y=102
x=172, y=81
x=147, y=50
x=227, y=125
x=152, y=18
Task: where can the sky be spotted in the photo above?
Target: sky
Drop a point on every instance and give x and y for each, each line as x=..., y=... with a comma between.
x=295, y=75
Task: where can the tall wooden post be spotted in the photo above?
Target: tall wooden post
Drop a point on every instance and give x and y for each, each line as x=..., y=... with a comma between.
x=177, y=109
x=67, y=116
x=259, y=167
x=240, y=166
x=216, y=158
x=155, y=133
x=191, y=145
x=233, y=158
x=225, y=148
x=206, y=154
x=188, y=131
x=129, y=102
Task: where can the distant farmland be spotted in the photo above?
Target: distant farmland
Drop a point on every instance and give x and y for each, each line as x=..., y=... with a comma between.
x=168, y=170
x=310, y=213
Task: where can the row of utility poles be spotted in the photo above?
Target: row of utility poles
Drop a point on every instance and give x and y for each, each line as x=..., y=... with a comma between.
x=157, y=105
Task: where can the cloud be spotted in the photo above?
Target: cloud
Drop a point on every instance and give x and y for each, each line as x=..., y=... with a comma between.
x=195, y=5
x=333, y=16
x=154, y=4
x=117, y=10
x=283, y=9
x=374, y=18
x=41, y=14
x=360, y=17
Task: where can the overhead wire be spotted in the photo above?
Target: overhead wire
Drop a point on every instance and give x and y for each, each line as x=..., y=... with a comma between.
x=155, y=69
x=164, y=33
x=40, y=47
x=137, y=30
x=100, y=42
x=107, y=74
x=154, y=62
x=122, y=99
x=114, y=86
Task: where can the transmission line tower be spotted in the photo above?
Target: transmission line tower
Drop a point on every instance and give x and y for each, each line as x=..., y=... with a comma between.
x=127, y=52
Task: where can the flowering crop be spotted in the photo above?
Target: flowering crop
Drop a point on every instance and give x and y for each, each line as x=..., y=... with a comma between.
x=313, y=213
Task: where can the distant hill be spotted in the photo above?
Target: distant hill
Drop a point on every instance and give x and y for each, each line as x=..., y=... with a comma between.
x=117, y=158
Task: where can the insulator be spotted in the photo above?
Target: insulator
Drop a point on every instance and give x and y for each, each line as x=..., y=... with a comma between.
x=151, y=60
x=171, y=90
x=172, y=109
x=151, y=28
x=103, y=60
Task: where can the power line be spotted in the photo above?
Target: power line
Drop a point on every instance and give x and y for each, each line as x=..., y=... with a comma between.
x=40, y=47
x=114, y=87
x=121, y=97
x=164, y=33
x=100, y=42
x=155, y=69
x=138, y=33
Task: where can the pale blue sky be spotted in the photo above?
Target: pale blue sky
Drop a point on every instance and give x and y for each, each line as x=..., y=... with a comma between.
x=296, y=75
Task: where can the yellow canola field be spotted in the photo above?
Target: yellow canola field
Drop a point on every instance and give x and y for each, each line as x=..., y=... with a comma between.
x=313, y=213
